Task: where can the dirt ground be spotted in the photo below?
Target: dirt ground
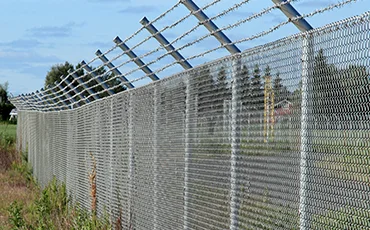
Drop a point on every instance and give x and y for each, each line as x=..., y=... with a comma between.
x=13, y=187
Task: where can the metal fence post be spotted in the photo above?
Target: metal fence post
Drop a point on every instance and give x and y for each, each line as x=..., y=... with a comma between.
x=74, y=89
x=164, y=42
x=203, y=18
x=114, y=69
x=48, y=97
x=29, y=103
x=291, y=13
x=68, y=96
x=155, y=154
x=131, y=162
x=307, y=52
x=187, y=153
x=38, y=94
x=235, y=139
x=90, y=91
x=111, y=151
x=136, y=59
x=56, y=95
x=235, y=120
x=89, y=70
x=37, y=100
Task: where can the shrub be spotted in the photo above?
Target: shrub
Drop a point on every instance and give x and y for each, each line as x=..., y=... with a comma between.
x=15, y=215
x=5, y=109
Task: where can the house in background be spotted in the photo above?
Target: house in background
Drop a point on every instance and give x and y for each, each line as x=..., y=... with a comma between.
x=13, y=115
x=283, y=109
x=283, y=120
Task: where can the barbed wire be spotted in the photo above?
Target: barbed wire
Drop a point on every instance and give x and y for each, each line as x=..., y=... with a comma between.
x=137, y=45
x=56, y=101
x=274, y=28
x=115, y=58
x=234, y=7
x=63, y=94
x=242, y=40
x=127, y=39
x=207, y=35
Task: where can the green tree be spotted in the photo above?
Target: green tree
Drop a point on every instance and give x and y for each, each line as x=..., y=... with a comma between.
x=280, y=90
x=56, y=72
x=222, y=92
x=338, y=90
x=109, y=79
x=5, y=105
x=205, y=91
x=222, y=80
x=59, y=70
x=245, y=86
x=356, y=87
x=205, y=97
x=257, y=89
x=267, y=71
x=4, y=92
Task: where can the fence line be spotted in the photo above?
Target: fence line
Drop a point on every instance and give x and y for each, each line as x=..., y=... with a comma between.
x=272, y=138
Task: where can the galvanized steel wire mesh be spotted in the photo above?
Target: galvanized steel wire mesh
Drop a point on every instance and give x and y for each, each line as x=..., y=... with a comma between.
x=273, y=138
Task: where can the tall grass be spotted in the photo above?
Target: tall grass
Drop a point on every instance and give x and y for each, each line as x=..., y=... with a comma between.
x=8, y=153
x=26, y=206
x=52, y=209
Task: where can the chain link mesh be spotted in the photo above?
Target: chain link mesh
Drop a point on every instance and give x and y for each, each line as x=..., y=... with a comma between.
x=273, y=138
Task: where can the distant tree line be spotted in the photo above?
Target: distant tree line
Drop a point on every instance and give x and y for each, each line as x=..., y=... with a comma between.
x=340, y=95
x=335, y=93
x=58, y=70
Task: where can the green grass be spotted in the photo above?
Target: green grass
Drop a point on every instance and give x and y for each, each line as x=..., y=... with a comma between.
x=24, y=205
x=52, y=209
x=8, y=130
x=345, y=218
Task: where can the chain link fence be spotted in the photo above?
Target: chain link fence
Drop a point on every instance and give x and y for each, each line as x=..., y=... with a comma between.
x=273, y=138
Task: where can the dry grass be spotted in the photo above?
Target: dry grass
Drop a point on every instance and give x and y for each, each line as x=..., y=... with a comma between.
x=14, y=187
x=14, y=184
x=23, y=205
x=8, y=154
x=92, y=180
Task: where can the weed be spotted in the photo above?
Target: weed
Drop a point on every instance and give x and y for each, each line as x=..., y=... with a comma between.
x=53, y=210
x=92, y=180
x=15, y=215
x=22, y=169
x=23, y=205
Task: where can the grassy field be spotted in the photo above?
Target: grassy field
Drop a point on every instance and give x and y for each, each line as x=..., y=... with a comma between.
x=7, y=129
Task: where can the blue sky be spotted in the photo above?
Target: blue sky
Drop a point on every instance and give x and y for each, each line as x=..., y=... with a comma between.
x=37, y=34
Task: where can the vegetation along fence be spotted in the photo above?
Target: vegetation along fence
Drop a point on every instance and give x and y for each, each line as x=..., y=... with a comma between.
x=275, y=137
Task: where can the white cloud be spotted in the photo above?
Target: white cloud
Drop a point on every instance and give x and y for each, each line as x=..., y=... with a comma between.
x=65, y=30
